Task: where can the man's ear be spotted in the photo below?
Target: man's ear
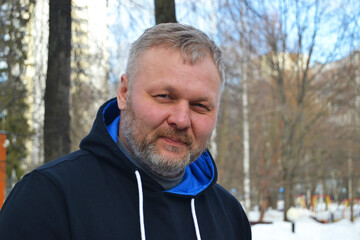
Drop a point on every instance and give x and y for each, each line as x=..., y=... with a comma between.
x=122, y=92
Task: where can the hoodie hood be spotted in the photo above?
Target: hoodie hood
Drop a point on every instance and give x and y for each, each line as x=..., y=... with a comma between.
x=102, y=141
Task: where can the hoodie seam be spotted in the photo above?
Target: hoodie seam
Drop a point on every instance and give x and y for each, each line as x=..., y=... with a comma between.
x=64, y=161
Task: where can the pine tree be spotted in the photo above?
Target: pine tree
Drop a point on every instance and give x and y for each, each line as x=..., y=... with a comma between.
x=14, y=17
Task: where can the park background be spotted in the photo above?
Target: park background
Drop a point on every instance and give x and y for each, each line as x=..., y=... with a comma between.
x=288, y=131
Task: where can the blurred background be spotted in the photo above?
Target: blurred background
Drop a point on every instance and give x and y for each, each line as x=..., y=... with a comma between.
x=288, y=131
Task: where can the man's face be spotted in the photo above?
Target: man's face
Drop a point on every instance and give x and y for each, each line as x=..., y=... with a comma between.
x=168, y=118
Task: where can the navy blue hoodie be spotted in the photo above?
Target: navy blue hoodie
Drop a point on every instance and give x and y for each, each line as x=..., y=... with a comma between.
x=98, y=193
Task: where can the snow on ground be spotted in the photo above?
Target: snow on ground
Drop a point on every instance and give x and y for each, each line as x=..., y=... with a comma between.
x=305, y=228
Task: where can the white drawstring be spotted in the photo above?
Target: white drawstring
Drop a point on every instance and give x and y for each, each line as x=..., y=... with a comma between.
x=141, y=207
x=196, y=225
x=141, y=210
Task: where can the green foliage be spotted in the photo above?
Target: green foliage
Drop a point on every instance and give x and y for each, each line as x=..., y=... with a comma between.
x=14, y=17
x=17, y=133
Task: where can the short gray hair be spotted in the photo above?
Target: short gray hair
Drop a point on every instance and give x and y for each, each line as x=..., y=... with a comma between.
x=193, y=44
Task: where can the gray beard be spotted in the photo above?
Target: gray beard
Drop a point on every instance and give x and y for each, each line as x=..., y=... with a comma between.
x=145, y=149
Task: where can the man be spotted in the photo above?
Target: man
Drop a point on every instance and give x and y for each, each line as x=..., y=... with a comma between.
x=143, y=172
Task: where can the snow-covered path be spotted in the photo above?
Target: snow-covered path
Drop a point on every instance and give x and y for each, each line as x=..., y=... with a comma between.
x=306, y=229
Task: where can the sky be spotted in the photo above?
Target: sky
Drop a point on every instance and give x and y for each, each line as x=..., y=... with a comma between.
x=129, y=18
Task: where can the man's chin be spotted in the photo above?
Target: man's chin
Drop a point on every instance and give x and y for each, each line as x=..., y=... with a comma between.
x=168, y=164
x=174, y=156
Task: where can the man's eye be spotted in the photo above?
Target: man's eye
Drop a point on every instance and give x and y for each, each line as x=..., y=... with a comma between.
x=162, y=95
x=200, y=106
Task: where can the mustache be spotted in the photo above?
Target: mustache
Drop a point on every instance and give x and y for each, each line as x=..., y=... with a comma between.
x=175, y=134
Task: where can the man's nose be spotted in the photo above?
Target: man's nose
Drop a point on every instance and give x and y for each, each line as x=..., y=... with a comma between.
x=180, y=116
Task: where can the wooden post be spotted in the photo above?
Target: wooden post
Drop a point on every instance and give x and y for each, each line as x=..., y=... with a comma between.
x=2, y=168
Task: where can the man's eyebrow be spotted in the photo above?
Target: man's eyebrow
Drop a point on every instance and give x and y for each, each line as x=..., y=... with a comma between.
x=202, y=99
x=170, y=88
x=175, y=91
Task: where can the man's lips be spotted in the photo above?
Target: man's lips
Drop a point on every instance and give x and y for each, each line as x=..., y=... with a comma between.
x=174, y=141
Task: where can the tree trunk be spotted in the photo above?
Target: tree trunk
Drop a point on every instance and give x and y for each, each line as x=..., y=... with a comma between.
x=246, y=128
x=165, y=11
x=288, y=196
x=264, y=205
x=57, y=118
x=223, y=136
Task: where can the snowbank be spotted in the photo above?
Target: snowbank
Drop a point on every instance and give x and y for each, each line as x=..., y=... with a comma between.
x=305, y=228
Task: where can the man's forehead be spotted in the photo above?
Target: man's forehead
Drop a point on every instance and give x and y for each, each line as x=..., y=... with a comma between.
x=187, y=56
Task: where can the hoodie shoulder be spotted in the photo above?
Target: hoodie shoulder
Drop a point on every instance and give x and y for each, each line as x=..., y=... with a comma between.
x=66, y=160
x=73, y=167
x=35, y=207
